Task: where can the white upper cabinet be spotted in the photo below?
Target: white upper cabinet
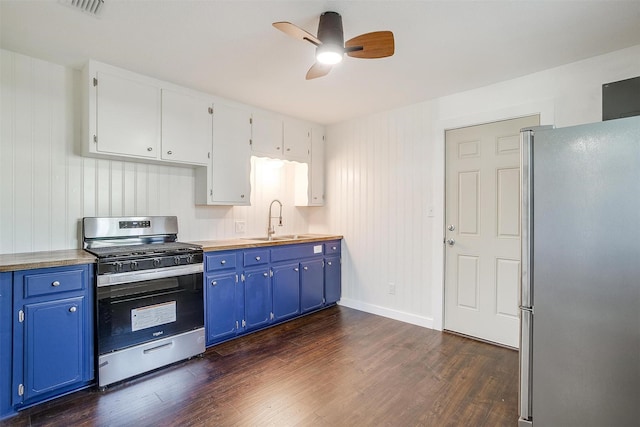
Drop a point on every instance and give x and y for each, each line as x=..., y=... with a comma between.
x=186, y=127
x=297, y=141
x=230, y=168
x=133, y=116
x=316, y=174
x=125, y=116
x=266, y=136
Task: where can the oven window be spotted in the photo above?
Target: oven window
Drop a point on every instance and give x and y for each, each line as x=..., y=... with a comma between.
x=139, y=312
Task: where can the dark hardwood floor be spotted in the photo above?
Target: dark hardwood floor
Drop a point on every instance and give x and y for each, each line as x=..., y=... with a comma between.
x=336, y=367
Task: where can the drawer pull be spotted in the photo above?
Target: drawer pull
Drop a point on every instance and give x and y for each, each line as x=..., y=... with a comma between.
x=265, y=274
x=296, y=269
x=223, y=262
x=73, y=309
x=56, y=283
x=305, y=268
x=257, y=258
x=214, y=283
x=329, y=262
x=334, y=248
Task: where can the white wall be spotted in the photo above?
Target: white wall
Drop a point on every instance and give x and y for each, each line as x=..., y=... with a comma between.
x=46, y=188
x=384, y=171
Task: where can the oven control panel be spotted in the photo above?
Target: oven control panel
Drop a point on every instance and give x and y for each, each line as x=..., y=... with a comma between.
x=134, y=224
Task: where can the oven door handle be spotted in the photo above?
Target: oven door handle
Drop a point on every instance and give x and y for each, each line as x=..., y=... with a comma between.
x=139, y=276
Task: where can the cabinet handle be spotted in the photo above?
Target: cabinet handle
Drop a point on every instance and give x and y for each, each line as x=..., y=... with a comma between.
x=257, y=258
x=265, y=274
x=305, y=268
x=223, y=262
x=73, y=309
x=169, y=152
x=149, y=148
x=329, y=262
x=334, y=248
x=214, y=283
x=296, y=269
x=242, y=196
x=56, y=283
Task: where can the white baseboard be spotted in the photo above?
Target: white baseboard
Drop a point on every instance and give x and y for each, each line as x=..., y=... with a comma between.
x=426, y=322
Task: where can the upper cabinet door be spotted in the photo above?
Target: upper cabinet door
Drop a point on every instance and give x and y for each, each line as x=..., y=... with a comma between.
x=316, y=175
x=186, y=127
x=266, y=136
x=127, y=116
x=231, y=155
x=297, y=141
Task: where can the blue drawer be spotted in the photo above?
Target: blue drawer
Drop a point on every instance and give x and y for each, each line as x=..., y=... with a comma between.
x=256, y=257
x=332, y=247
x=51, y=282
x=215, y=262
x=296, y=251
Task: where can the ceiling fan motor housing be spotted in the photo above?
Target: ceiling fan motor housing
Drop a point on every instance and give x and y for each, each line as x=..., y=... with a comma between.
x=330, y=29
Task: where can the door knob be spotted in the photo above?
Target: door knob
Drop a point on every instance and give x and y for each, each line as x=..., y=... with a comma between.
x=451, y=227
x=451, y=242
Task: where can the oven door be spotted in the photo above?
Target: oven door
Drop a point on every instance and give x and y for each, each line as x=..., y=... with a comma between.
x=138, y=307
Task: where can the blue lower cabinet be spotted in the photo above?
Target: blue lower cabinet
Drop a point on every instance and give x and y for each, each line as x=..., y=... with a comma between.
x=6, y=296
x=311, y=285
x=257, y=298
x=52, y=332
x=286, y=291
x=332, y=279
x=222, y=294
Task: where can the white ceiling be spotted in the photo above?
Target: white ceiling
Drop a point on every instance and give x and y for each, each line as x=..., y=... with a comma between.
x=230, y=49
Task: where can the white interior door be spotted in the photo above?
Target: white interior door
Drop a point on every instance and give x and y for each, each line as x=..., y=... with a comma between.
x=482, y=267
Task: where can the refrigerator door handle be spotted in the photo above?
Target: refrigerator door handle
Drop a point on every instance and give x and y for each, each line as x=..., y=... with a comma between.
x=526, y=331
x=526, y=205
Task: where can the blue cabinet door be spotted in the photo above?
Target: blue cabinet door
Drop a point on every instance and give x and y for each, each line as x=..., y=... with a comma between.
x=222, y=320
x=257, y=298
x=332, y=280
x=6, y=296
x=54, y=345
x=286, y=291
x=311, y=285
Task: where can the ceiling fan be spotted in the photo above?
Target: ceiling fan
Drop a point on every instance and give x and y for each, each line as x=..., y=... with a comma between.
x=331, y=47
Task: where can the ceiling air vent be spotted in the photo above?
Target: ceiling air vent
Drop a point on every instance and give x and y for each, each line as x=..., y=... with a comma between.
x=92, y=7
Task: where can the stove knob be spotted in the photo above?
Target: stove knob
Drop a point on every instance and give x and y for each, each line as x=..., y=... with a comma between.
x=117, y=266
x=176, y=259
x=156, y=262
x=189, y=259
x=133, y=265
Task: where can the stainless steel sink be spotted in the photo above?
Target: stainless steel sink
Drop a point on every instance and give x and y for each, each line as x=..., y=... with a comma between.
x=282, y=237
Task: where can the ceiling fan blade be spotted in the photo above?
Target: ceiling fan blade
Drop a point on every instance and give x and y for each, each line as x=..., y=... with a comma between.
x=318, y=70
x=297, y=32
x=378, y=44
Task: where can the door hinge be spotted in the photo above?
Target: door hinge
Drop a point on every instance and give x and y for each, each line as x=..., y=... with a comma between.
x=20, y=390
x=211, y=110
x=322, y=263
x=271, y=316
x=209, y=155
x=211, y=192
x=324, y=301
x=95, y=138
x=250, y=120
x=251, y=142
x=244, y=323
x=270, y=273
x=236, y=278
x=242, y=278
x=95, y=82
x=237, y=324
x=21, y=317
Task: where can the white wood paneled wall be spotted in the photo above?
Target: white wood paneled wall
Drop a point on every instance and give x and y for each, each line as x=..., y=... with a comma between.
x=46, y=187
x=379, y=188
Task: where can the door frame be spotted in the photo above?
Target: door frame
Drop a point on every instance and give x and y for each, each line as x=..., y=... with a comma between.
x=546, y=110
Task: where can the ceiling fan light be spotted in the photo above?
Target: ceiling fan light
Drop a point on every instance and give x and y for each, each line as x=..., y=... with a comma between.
x=329, y=56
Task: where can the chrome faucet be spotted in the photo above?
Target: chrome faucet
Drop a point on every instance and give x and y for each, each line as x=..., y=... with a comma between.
x=271, y=230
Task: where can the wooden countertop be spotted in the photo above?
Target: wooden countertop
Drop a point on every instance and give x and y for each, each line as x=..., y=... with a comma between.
x=30, y=260
x=227, y=244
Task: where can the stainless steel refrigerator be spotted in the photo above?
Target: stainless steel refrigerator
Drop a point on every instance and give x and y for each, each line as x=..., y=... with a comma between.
x=580, y=276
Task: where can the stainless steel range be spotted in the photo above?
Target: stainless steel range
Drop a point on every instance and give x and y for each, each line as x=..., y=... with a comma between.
x=150, y=309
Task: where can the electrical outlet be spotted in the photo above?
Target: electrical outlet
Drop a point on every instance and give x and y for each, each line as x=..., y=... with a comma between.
x=392, y=288
x=241, y=226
